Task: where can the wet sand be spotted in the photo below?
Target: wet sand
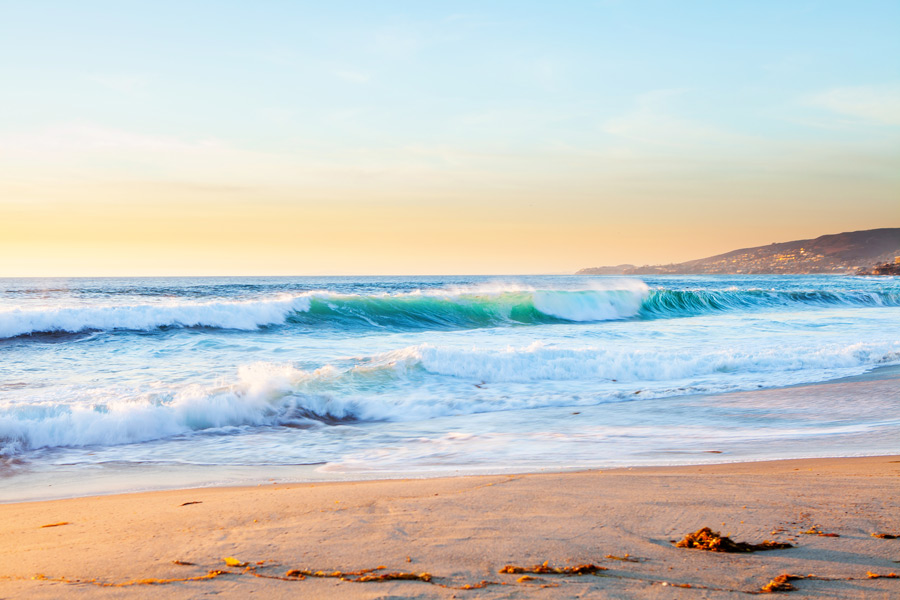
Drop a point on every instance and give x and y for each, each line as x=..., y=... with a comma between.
x=463, y=530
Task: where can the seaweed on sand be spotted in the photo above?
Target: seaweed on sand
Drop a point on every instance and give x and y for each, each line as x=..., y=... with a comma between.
x=782, y=583
x=814, y=530
x=713, y=541
x=361, y=576
x=546, y=569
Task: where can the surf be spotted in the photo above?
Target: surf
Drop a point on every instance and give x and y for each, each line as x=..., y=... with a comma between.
x=416, y=383
x=473, y=307
x=440, y=309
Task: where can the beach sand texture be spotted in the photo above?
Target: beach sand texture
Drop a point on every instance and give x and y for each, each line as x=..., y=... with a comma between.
x=463, y=530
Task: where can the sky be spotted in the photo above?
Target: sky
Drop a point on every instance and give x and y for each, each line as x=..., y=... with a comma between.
x=317, y=138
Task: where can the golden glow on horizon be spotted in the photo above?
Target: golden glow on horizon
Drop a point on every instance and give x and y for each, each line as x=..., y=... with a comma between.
x=152, y=229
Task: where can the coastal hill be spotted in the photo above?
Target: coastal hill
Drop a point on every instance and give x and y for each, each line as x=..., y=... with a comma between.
x=840, y=253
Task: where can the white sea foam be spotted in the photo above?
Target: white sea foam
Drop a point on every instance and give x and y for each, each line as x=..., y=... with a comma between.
x=499, y=287
x=246, y=315
x=537, y=362
x=418, y=382
x=591, y=305
x=262, y=395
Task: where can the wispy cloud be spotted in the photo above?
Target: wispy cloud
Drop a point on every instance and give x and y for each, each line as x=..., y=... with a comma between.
x=122, y=83
x=95, y=152
x=653, y=121
x=790, y=64
x=878, y=104
x=398, y=42
x=353, y=75
x=89, y=138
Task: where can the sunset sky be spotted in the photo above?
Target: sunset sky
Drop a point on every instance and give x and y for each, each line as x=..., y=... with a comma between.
x=295, y=138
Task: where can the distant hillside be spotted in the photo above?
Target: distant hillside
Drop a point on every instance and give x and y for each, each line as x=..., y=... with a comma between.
x=837, y=253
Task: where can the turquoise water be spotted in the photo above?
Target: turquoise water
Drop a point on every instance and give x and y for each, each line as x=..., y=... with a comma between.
x=409, y=375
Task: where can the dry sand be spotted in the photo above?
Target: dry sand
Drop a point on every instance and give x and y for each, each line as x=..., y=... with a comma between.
x=463, y=530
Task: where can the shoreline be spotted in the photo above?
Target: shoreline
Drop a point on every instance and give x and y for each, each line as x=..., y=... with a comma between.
x=462, y=530
x=30, y=484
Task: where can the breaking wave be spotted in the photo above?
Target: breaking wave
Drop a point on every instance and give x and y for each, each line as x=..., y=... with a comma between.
x=144, y=317
x=418, y=382
x=662, y=303
x=442, y=309
x=465, y=308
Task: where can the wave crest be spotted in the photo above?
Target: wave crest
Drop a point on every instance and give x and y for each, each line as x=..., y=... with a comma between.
x=245, y=315
x=463, y=308
x=663, y=303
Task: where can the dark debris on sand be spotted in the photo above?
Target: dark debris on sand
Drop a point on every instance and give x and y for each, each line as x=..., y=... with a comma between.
x=713, y=541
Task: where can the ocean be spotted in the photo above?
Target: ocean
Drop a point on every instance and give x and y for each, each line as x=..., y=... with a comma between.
x=119, y=384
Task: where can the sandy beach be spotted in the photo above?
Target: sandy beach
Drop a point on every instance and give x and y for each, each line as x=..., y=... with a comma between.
x=430, y=300
x=462, y=531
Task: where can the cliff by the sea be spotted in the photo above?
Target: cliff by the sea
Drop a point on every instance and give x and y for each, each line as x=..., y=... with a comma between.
x=872, y=251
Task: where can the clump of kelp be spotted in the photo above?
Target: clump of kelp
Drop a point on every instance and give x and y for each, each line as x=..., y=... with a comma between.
x=362, y=575
x=816, y=530
x=713, y=541
x=624, y=558
x=546, y=569
x=782, y=583
x=146, y=581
